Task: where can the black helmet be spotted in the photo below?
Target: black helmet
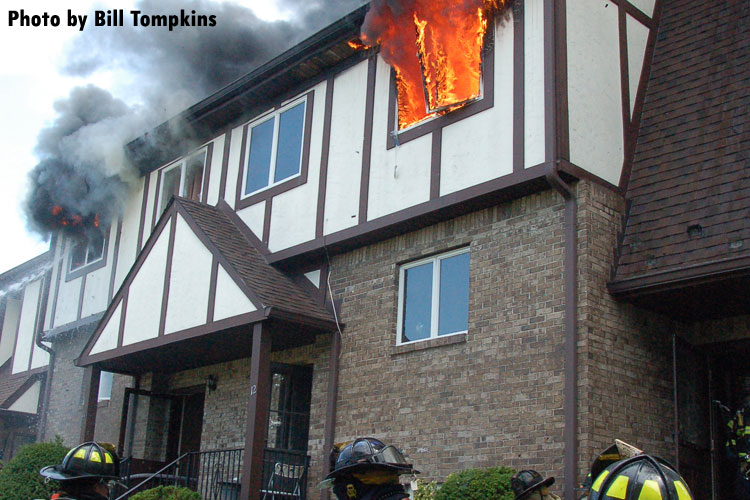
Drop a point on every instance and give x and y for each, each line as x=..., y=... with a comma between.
x=86, y=461
x=524, y=481
x=641, y=476
x=368, y=454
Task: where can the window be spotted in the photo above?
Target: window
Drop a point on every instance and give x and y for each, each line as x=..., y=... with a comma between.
x=274, y=152
x=105, y=386
x=88, y=251
x=184, y=178
x=434, y=297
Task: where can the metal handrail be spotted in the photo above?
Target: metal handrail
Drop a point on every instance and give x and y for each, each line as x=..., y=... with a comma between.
x=155, y=474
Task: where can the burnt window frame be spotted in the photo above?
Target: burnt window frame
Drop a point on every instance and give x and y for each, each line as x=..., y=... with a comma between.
x=243, y=200
x=87, y=266
x=486, y=101
x=181, y=163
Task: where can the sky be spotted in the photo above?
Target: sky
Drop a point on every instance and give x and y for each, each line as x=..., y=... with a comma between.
x=41, y=65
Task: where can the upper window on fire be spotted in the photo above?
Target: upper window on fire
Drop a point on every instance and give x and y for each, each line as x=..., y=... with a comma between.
x=274, y=153
x=184, y=178
x=87, y=251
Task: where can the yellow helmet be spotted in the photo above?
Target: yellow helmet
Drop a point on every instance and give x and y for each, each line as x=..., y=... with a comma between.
x=87, y=460
x=641, y=477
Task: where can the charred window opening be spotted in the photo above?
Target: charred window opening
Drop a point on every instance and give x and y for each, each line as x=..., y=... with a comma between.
x=184, y=178
x=87, y=251
x=274, y=151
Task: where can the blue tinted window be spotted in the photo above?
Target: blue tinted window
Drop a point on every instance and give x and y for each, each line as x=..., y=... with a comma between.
x=259, y=163
x=454, y=294
x=417, y=303
x=289, y=150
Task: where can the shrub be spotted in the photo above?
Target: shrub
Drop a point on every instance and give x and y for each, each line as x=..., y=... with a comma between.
x=20, y=479
x=477, y=484
x=167, y=493
x=425, y=491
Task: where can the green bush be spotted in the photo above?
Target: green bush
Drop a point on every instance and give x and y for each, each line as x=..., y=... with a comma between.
x=425, y=491
x=167, y=493
x=477, y=484
x=20, y=479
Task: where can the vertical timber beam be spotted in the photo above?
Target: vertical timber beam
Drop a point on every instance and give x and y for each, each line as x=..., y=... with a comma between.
x=257, y=413
x=91, y=393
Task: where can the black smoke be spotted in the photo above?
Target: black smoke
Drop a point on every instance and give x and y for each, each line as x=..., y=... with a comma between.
x=83, y=168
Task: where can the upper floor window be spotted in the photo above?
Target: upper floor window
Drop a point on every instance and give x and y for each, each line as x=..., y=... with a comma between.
x=434, y=297
x=274, y=151
x=84, y=252
x=184, y=178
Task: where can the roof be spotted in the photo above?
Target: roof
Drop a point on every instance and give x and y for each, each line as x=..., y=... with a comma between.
x=240, y=248
x=689, y=190
x=38, y=264
x=12, y=387
x=250, y=94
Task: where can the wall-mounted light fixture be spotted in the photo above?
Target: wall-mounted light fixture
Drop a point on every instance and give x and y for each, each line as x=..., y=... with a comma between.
x=211, y=381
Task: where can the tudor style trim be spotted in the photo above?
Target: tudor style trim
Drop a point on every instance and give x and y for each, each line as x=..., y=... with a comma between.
x=144, y=207
x=364, y=186
x=115, y=258
x=325, y=151
x=206, y=180
x=519, y=84
x=225, y=164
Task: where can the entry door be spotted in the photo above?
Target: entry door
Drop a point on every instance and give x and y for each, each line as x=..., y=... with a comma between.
x=289, y=411
x=186, y=424
x=693, y=434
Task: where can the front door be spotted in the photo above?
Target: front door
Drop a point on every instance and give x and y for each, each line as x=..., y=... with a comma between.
x=289, y=411
x=185, y=424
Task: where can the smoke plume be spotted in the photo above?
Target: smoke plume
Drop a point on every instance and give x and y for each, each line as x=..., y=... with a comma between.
x=83, y=176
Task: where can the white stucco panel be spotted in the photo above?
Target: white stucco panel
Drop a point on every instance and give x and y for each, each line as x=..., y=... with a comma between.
x=645, y=6
x=26, y=324
x=233, y=166
x=96, y=290
x=253, y=217
x=145, y=294
x=480, y=148
x=39, y=357
x=189, y=282
x=594, y=91
x=230, y=300
x=129, y=246
x=637, y=40
x=68, y=294
x=29, y=401
x=345, y=149
x=10, y=326
x=314, y=277
x=108, y=338
x=214, y=179
x=533, y=105
x=150, y=207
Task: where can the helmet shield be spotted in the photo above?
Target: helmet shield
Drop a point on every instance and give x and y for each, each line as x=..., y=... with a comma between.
x=368, y=454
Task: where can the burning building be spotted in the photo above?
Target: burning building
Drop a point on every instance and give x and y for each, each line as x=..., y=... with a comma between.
x=316, y=263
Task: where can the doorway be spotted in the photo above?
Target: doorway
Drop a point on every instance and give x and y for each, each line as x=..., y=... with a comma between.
x=289, y=410
x=185, y=423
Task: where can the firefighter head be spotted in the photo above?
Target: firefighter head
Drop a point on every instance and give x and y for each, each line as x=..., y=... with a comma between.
x=530, y=485
x=638, y=477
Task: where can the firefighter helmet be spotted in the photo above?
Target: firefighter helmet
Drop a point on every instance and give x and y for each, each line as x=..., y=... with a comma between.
x=638, y=478
x=525, y=481
x=86, y=461
x=368, y=454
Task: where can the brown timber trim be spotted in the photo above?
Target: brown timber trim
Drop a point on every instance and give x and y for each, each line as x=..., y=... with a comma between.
x=624, y=82
x=115, y=258
x=637, y=13
x=144, y=206
x=561, y=82
x=283, y=186
x=121, y=326
x=267, y=221
x=364, y=185
x=91, y=393
x=326, y=146
x=212, y=290
x=225, y=164
x=394, y=138
x=640, y=96
x=435, y=161
x=257, y=413
x=190, y=333
x=81, y=295
x=156, y=198
x=519, y=93
x=206, y=172
x=167, y=274
x=30, y=381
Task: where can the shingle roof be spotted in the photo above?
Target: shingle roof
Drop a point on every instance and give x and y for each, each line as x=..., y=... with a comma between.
x=274, y=288
x=9, y=386
x=690, y=182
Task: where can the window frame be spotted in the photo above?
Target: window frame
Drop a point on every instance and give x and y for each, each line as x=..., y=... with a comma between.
x=485, y=101
x=88, y=266
x=182, y=165
x=244, y=200
x=435, y=303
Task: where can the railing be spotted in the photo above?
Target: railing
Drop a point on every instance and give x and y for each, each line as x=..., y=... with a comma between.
x=217, y=475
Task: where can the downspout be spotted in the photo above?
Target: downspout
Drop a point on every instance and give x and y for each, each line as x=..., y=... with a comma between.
x=41, y=314
x=570, y=260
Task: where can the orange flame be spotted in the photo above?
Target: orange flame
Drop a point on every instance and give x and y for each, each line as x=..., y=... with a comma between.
x=62, y=219
x=448, y=37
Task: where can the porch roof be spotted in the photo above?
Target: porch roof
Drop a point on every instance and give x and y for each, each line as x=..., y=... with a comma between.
x=200, y=280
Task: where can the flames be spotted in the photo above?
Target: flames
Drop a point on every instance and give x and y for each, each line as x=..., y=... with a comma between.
x=63, y=219
x=435, y=50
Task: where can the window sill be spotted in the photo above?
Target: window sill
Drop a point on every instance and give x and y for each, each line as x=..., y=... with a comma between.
x=458, y=338
x=104, y=403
